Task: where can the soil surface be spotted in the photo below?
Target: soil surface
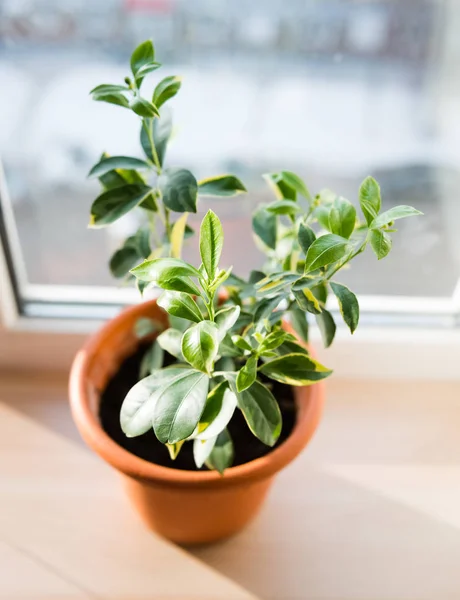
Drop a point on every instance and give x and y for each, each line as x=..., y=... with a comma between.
x=146, y=446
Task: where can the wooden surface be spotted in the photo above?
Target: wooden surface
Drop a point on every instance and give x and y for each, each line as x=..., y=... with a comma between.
x=370, y=511
x=66, y=530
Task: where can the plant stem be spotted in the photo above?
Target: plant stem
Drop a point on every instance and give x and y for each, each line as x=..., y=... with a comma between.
x=210, y=305
x=156, y=160
x=149, y=133
x=340, y=265
x=309, y=217
x=153, y=228
x=167, y=222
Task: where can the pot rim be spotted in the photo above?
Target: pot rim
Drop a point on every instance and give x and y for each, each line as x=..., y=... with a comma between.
x=309, y=399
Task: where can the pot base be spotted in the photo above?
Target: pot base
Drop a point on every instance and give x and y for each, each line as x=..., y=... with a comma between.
x=200, y=516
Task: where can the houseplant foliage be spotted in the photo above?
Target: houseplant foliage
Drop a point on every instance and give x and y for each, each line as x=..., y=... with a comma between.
x=226, y=337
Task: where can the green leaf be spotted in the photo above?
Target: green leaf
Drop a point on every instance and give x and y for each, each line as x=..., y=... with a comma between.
x=348, y=304
x=320, y=292
x=265, y=307
x=264, y=224
x=116, y=202
x=279, y=186
x=322, y=214
x=152, y=360
x=119, y=177
x=122, y=261
x=143, y=56
x=222, y=454
x=247, y=374
x=177, y=323
x=219, y=409
x=221, y=185
x=275, y=284
x=255, y=276
x=307, y=300
x=326, y=326
x=141, y=241
x=179, y=406
x=168, y=273
x=291, y=347
x=369, y=199
x=166, y=89
x=283, y=207
x=111, y=180
x=145, y=326
x=180, y=284
x=397, y=212
x=150, y=203
x=297, y=184
x=160, y=270
x=141, y=286
x=202, y=449
x=131, y=176
x=262, y=282
x=241, y=343
x=108, y=88
x=138, y=407
x=145, y=71
x=211, y=243
x=295, y=369
x=306, y=237
x=135, y=247
x=177, y=235
x=146, y=130
x=143, y=107
x=220, y=278
x=260, y=410
x=179, y=190
x=180, y=305
x=273, y=341
x=160, y=130
x=117, y=162
x=299, y=323
x=342, y=217
x=228, y=349
x=113, y=98
x=171, y=340
x=225, y=319
x=381, y=242
x=325, y=250
x=174, y=449
x=200, y=345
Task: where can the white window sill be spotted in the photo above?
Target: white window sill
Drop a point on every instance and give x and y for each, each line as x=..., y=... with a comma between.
x=369, y=510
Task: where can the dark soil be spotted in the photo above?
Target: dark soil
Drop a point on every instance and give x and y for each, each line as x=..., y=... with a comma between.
x=146, y=446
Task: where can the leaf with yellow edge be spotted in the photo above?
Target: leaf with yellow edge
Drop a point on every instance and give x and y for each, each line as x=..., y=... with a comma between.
x=174, y=449
x=177, y=236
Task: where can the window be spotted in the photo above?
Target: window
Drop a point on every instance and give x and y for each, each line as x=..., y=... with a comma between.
x=333, y=90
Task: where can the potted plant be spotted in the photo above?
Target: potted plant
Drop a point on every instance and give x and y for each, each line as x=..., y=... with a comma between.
x=199, y=397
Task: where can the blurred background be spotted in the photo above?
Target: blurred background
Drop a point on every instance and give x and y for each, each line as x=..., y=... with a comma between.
x=333, y=90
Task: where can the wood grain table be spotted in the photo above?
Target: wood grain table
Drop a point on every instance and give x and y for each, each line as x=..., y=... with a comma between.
x=66, y=530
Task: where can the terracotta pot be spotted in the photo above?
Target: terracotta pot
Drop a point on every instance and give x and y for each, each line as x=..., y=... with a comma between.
x=188, y=507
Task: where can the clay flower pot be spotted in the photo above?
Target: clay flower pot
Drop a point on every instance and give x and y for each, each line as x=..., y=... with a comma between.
x=188, y=507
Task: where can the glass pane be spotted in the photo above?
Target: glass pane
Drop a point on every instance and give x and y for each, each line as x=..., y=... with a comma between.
x=333, y=90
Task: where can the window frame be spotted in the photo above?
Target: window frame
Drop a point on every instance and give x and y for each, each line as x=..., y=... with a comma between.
x=421, y=346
